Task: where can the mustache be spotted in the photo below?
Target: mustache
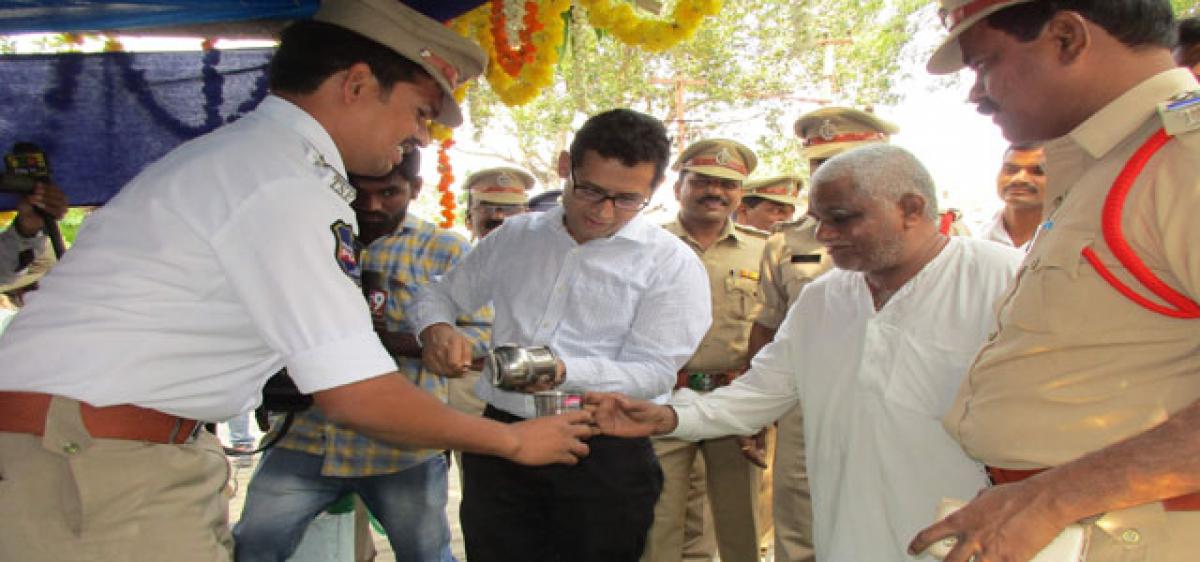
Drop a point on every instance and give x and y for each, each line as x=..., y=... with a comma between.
x=373, y=217
x=986, y=106
x=716, y=198
x=1023, y=185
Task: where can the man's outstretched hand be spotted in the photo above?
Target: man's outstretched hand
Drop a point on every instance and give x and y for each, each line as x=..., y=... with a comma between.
x=621, y=416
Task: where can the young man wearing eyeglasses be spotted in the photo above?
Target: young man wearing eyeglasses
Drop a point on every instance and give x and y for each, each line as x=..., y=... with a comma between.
x=709, y=190
x=615, y=297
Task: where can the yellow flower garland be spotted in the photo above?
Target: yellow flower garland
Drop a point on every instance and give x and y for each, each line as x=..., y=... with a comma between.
x=652, y=34
x=617, y=16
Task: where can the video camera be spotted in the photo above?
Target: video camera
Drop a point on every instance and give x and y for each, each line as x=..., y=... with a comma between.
x=24, y=168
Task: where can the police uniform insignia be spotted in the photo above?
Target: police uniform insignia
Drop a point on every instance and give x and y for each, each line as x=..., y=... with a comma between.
x=724, y=156
x=827, y=130
x=345, y=249
x=337, y=183
x=1181, y=113
x=505, y=180
x=748, y=274
x=341, y=186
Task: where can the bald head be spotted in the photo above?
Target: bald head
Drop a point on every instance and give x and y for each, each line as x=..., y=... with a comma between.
x=882, y=171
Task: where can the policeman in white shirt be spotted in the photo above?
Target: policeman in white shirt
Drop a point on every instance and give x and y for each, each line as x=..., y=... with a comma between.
x=229, y=258
x=873, y=351
x=1021, y=184
x=618, y=300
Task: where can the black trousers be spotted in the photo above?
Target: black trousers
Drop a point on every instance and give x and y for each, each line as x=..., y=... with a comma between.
x=596, y=511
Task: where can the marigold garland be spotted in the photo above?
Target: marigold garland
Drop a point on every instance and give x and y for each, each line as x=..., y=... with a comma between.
x=445, y=136
x=535, y=75
x=510, y=59
x=443, y=187
x=650, y=33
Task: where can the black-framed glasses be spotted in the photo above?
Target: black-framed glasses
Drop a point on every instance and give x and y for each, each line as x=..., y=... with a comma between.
x=593, y=195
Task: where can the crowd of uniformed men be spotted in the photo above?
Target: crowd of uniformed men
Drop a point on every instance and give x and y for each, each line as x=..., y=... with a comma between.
x=825, y=369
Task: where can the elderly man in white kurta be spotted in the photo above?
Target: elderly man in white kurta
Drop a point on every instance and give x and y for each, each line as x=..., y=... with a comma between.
x=873, y=351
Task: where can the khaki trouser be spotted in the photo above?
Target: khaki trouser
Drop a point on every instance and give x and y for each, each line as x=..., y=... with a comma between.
x=792, y=505
x=733, y=486
x=699, y=538
x=66, y=497
x=460, y=395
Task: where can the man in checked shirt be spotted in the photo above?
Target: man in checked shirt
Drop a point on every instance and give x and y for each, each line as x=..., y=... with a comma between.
x=318, y=462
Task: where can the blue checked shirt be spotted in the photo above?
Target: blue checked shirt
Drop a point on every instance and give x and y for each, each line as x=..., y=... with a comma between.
x=417, y=254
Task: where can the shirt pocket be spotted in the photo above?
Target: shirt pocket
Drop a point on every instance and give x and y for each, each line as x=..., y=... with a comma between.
x=744, y=297
x=798, y=274
x=1048, y=291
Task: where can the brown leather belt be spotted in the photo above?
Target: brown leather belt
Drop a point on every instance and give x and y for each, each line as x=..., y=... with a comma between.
x=1189, y=502
x=25, y=412
x=704, y=381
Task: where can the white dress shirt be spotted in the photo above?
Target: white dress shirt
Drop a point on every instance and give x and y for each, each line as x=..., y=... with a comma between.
x=996, y=232
x=624, y=313
x=873, y=386
x=209, y=271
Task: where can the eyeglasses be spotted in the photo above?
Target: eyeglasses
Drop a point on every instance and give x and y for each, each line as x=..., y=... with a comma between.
x=593, y=195
x=701, y=181
x=500, y=209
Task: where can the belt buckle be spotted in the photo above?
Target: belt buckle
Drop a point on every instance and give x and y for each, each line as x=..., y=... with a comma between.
x=173, y=439
x=701, y=382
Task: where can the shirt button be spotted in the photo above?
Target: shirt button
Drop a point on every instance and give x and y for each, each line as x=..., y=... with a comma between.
x=1058, y=200
x=70, y=447
x=1131, y=536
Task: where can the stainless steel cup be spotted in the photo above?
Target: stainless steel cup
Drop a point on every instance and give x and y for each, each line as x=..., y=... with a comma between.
x=554, y=402
x=512, y=367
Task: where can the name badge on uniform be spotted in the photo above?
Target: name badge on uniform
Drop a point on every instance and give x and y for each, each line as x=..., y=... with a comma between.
x=806, y=258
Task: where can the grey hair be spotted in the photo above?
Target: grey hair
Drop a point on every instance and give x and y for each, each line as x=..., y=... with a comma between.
x=884, y=171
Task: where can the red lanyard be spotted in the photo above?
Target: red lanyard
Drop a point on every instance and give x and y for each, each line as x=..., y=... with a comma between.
x=1110, y=220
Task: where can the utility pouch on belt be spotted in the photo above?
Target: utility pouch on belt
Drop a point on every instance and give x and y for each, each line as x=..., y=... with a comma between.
x=279, y=396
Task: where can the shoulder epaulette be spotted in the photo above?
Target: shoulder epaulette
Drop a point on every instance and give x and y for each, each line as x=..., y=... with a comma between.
x=1181, y=114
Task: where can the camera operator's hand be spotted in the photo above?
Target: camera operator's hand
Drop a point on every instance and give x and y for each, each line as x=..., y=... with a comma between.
x=445, y=351
x=45, y=196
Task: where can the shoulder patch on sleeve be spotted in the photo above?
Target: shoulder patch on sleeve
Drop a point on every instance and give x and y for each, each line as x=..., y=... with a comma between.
x=345, y=249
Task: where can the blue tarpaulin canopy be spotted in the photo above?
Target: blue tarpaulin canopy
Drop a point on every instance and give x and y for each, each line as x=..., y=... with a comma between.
x=101, y=118
x=23, y=16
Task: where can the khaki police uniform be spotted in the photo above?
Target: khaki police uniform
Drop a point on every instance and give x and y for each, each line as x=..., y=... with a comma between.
x=733, y=483
x=1076, y=366
x=792, y=258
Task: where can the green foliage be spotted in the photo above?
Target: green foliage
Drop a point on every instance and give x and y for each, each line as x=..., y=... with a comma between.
x=1186, y=8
